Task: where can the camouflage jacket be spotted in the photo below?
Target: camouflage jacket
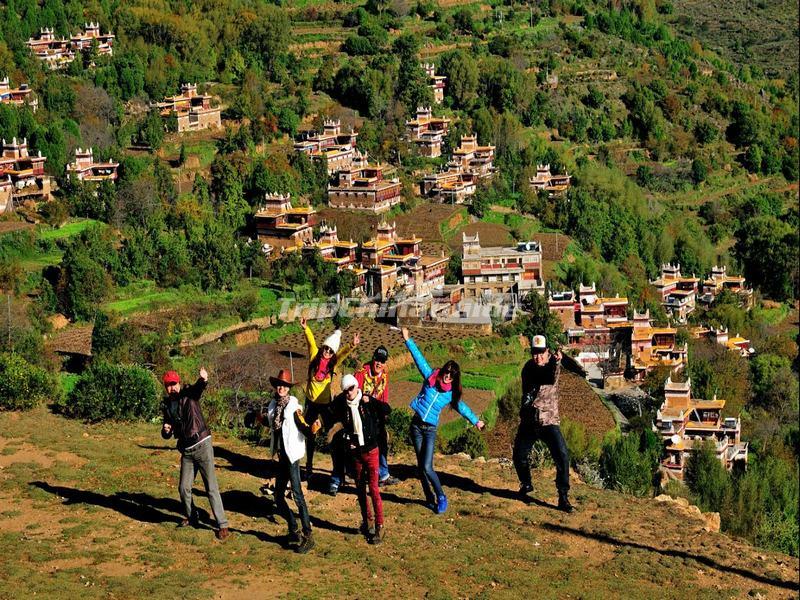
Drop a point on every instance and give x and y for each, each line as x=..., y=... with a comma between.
x=540, y=393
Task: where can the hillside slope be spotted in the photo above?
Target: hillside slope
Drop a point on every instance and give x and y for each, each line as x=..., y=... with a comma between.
x=90, y=511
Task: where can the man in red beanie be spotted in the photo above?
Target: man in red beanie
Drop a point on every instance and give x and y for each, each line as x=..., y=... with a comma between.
x=184, y=420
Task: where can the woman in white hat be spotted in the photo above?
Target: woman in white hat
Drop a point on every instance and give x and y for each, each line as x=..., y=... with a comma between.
x=321, y=369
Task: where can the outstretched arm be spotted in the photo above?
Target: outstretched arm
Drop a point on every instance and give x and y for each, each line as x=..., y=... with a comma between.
x=419, y=360
x=466, y=412
x=310, y=341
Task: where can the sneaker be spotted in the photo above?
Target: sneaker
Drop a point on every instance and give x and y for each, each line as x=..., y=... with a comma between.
x=525, y=489
x=306, y=544
x=333, y=489
x=441, y=504
x=377, y=537
x=564, y=504
x=388, y=481
x=222, y=533
x=294, y=538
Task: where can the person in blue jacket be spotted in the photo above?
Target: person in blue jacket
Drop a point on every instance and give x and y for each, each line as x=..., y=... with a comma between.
x=440, y=388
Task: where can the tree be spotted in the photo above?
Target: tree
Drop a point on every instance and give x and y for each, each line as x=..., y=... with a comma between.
x=745, y=125
x=453, y=273
x=151, y=130
x=627, y=463
x=461, y=71
x=538, y=320
x=228, y=189
x=412, y=88
x=84, y=283
x=266, y=38
x=216, y=256
x=707, y=478
x=767, y=247
x=699, y=171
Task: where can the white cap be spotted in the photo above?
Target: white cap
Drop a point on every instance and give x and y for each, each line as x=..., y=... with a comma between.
x=349, y=381
x=539, y=343
x=333, y=341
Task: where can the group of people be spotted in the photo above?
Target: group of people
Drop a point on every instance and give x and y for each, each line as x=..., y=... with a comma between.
x=355, y=421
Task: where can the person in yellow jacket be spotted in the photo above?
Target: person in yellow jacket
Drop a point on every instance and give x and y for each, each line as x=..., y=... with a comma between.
x=321, y=370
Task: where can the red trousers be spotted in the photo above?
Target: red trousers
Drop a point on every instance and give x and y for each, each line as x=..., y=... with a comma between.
x=366, y=464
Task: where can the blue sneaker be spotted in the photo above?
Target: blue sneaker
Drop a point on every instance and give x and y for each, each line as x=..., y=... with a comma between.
x=441, y=505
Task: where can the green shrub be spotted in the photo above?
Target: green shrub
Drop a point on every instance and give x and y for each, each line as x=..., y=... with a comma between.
x=469, y=441
x=510, y=401
x=707, y=478
x=628, y=464
x=106, y=391
x=398, y=424
x=582, y=447
x=23, y=385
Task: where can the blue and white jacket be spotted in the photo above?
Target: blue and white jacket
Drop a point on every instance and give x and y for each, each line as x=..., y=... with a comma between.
x=430, y=401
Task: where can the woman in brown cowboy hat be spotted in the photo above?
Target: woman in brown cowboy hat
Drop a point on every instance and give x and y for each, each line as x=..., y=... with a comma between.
x=288, y=431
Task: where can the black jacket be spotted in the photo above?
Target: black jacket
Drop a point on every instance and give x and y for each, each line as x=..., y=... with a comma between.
x=372, y=413
x=184, y=415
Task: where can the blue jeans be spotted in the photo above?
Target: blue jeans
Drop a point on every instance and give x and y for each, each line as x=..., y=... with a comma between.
x=290, y=472
x=383, y=467
x=423, y=436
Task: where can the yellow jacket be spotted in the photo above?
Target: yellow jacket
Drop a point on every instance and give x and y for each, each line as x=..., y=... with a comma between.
x=319, y=392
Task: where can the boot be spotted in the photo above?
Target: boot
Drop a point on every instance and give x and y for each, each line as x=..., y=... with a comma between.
x=294, y=538
x=525, y=489
x=564, y=503
x=368, y=528
x=377, y=537
x=307, y=544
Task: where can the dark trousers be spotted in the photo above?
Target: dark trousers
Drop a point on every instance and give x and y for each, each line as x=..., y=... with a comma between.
x=366, y=465
x=341, y=460
x=527, y=434
x=423, y=436
x=290, y=472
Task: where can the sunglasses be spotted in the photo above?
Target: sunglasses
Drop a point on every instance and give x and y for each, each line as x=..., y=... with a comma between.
x=350, y=389
x=327, y=350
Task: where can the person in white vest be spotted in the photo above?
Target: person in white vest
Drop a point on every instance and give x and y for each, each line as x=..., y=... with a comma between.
x=288, y=431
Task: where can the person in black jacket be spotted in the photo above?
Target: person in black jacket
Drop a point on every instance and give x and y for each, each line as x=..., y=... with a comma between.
x=358, y=419
x=184, y=420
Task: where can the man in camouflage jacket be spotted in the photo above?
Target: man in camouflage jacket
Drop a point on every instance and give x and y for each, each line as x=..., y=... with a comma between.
x=539, y=419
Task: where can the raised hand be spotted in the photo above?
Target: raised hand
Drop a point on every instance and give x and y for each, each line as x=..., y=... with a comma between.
x=405, y=333
x=303, y=322
x=356, y=339
x=480, y=425
x=203, y=374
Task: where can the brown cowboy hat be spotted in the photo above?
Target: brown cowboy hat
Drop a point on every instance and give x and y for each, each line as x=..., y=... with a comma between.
x=283, y=378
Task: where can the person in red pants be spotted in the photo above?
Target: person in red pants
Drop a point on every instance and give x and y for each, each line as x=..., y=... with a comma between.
x=357, y=418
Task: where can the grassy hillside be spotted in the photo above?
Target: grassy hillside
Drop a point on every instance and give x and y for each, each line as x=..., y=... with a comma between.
x=762, y=33
x=90, y=512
